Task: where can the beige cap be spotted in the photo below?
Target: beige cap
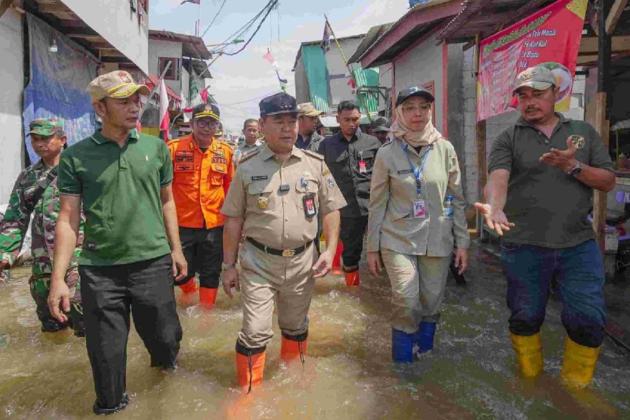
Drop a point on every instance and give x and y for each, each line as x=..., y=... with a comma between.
x=116, y=84
x=537, y=77
x=308, y=110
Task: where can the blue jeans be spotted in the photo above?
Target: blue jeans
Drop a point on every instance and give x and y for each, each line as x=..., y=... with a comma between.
x=579, y=279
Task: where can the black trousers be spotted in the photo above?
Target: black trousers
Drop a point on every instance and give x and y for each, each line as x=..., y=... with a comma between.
x=351, y=233
x=203, y=249
x=109, y=295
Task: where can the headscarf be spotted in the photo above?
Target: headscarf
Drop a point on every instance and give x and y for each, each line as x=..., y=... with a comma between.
x=429, y=135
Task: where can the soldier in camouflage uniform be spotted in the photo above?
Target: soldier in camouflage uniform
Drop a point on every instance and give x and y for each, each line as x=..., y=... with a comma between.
x=35, y=192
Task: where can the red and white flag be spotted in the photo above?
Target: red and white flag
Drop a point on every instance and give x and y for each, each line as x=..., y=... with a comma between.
x=165, y=119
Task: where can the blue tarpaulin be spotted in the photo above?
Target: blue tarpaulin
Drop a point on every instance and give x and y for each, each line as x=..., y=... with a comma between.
x=57, y=84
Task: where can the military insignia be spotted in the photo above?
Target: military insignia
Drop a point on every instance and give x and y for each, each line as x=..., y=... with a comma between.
x=578, y=141
x=262, y=203
x=326, y=171
x=330, y=181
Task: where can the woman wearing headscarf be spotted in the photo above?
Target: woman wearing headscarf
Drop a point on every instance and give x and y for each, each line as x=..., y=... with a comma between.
x=416, y=218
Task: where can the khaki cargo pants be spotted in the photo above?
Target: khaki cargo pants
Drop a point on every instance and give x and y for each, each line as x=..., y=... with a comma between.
x=418, y=285
x=267, y=279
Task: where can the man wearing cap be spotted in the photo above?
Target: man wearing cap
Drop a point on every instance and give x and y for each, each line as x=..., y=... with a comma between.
x=350, y=156
x=35, y=192
x=202, y=172
x=380, y=129
x=252, y=141
x=308, y=120
x=543, y=171
x=131, y=252
x=275, y=201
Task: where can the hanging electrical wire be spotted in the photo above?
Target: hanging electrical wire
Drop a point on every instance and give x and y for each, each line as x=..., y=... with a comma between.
x=214, y=19
x=268, y=8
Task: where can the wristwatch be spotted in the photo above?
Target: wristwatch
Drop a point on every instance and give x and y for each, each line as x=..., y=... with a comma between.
x=575, y=171
x=225, y=266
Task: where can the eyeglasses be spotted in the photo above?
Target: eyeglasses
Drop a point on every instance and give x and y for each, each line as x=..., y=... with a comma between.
x=206, y=123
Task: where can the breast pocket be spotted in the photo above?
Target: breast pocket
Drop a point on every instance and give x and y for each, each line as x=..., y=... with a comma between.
x=368, y=157
x=261, y=197
x=307, y=198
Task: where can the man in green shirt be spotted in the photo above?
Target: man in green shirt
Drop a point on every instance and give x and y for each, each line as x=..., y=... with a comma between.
x=542, y=174
x=131, y=251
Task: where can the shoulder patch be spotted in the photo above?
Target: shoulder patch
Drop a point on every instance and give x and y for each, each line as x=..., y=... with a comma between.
x=313, y=154
x=249, y=155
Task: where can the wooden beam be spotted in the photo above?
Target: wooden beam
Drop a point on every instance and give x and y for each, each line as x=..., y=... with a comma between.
x=613, y=16
x=602, y=125
x=618, y=44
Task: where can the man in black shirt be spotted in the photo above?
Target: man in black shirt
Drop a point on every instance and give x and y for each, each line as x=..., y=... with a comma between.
x=308, y=120
x=350, y=155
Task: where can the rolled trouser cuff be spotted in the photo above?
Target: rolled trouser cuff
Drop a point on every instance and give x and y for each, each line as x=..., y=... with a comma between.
x=247, y=351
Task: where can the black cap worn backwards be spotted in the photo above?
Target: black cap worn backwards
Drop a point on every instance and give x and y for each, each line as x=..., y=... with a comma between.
x=280, y=103
x=405, y=94
x=210, y=110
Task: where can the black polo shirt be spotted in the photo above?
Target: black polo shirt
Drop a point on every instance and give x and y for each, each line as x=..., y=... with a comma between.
x=343, y=157
x=548, y=207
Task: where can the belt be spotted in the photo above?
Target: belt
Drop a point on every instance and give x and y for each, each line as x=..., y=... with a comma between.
x=279, y=252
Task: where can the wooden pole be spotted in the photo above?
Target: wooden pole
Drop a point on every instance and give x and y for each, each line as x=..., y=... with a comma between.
x=601, y=123
x=480, y=138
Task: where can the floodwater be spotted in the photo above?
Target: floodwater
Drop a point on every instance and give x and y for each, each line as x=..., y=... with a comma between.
x=348, y=372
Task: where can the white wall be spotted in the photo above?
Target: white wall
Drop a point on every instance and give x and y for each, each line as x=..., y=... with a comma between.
x=114, y=21
x=420, y=65
x=11, y=86
x=386, y=79
x=159, y=48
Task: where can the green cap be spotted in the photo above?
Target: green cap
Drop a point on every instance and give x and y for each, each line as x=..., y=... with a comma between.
x=537, y=77
x=46, y=127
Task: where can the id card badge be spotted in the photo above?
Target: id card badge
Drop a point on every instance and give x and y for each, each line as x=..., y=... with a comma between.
x=362, y=167
x=419, y=209
x=309, y=206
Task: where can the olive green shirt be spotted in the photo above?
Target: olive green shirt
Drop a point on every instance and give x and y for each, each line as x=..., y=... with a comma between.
x=270, y=196
x=548, y=207
x=391, y=222
x=120, y=191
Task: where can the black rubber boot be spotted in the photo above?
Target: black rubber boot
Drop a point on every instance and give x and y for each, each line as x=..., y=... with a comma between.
x=52, y=325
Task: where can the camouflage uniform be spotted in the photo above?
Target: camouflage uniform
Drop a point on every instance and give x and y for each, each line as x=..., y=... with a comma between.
x=12, y=231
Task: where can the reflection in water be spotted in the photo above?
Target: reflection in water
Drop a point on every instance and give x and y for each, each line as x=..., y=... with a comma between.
x=348, y=373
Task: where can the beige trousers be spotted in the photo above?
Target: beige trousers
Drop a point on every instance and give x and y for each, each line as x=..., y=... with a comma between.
x=418, y=285
x=267, y=281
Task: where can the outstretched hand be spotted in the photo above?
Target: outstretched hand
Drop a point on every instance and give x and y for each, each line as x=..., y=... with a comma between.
x=495, y=219
x=562, y=159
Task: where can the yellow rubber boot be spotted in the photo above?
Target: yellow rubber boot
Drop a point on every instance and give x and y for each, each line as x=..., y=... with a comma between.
x=579, y=363
x=529, y=354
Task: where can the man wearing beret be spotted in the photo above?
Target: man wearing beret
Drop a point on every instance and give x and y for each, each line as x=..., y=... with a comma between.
x=35, y=192
x=202, y=172
x=131, y=252
x=274, y=202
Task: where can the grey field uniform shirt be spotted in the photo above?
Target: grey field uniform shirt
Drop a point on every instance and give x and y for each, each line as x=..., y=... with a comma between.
x=276, y=218
x=343, y=157
x=548, y=207
x=391, y=224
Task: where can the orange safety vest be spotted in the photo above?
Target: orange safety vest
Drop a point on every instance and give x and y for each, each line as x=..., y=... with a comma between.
x=200, y=181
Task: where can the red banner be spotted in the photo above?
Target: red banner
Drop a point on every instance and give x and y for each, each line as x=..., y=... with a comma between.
x=550, y=37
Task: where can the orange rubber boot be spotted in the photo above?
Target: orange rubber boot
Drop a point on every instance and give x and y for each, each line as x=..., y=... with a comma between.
x=207, y=297
x=188, y=289
x=292, y=350
x=352, y=279
x=249, y=370
x=336, y=265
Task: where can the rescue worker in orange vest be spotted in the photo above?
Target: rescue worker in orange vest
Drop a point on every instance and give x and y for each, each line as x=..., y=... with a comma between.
x=202, y=172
